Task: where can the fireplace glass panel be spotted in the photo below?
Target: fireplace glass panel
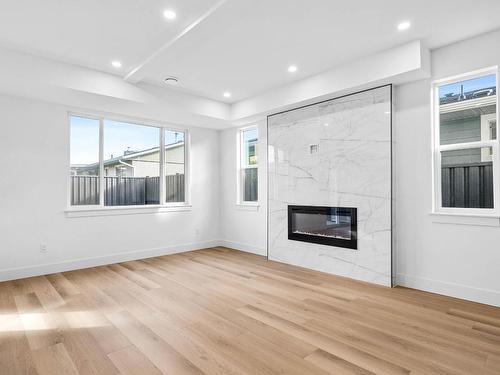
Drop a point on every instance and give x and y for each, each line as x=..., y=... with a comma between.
x=334, y=226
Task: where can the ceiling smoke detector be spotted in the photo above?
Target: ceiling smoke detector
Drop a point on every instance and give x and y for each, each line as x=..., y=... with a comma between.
x=171, y=81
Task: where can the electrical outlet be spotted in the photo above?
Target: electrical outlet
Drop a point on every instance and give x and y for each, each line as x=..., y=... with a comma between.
x=43, y=247
x=197, y=231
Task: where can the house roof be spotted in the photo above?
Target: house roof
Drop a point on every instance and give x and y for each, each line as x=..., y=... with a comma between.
x=131, y=155
x=470, y=95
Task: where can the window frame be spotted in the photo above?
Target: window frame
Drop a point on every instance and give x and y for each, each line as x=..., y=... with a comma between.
x=240, y=183
x=437, y=149
x=163, y=205
x=187, y=190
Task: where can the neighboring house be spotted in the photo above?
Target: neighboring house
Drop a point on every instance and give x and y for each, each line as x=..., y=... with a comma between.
x=144, y=163
x=468, y=117
x=252, y=155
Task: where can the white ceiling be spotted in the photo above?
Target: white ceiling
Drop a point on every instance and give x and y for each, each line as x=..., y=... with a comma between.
x=241, y=46
x=92, y=33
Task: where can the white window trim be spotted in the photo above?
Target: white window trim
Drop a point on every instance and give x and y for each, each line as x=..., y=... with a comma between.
x=452, y=212
x=93, y=211
x=470, y=219
x=485, y=131
x=101, y=209
x=246, y=205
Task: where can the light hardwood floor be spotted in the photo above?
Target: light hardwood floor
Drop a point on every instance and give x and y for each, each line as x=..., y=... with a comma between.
x=220, y=311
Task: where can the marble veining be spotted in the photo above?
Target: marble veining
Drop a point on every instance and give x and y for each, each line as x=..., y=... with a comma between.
x=351, y=168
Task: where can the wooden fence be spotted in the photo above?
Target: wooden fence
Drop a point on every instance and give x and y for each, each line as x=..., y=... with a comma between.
x=125, y=191
x=467, y=185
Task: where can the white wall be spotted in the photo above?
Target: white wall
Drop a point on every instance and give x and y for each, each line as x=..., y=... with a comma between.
x=457, y=260
x=451, y=259
x=34, y=145
x=243, y=228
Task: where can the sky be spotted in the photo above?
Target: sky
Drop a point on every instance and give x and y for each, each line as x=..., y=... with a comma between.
x=249, y=135
x=469, y=85
x=118, y=137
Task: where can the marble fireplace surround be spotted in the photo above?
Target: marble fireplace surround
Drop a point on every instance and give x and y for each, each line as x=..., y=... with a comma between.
x=352, y=167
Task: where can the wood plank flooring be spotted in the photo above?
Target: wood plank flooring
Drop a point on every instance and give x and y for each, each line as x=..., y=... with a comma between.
x=221, y=311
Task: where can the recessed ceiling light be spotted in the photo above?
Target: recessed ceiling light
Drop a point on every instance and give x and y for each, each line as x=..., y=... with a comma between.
x=169, y=14
x=405, y=25
x=227, y=94
x=116, y=64
x=171, y=81
x=292, y=68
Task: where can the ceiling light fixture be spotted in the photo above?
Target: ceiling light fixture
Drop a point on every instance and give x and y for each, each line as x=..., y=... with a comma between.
x=292, y=68
x=405, y=25
x=116, y=64
x=169, y=15
x=227, y=94
x=171, y=81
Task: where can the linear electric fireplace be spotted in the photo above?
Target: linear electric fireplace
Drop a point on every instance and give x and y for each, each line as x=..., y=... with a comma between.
x=334, y=226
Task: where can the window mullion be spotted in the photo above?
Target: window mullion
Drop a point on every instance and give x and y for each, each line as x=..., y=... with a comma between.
x=187, y=165
x=239, y=167
x=101, y=162
x=162, y=167
x=466, y=146
x=496, y=176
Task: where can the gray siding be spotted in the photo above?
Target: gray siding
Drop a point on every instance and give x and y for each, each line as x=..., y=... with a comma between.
x=460, y=130
x=455, y=157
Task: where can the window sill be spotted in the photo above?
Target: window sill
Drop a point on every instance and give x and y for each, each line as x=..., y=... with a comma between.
x=125, y=210
x=485, y=220
x=248, y=206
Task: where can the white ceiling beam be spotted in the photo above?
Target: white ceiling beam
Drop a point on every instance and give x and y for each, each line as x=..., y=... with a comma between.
x=78, y=87
x=136, y=74
x=398, y=65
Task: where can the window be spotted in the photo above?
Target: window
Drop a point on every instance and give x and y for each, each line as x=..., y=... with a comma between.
x=131, y=164
x=248, y=166
x=126, y=163
x=466, y=145
x=85, y=187
x=175, y=155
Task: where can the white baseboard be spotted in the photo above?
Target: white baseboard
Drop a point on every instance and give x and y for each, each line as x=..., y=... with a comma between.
x=486, y=296
x=244, y=247
x=46, y=269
